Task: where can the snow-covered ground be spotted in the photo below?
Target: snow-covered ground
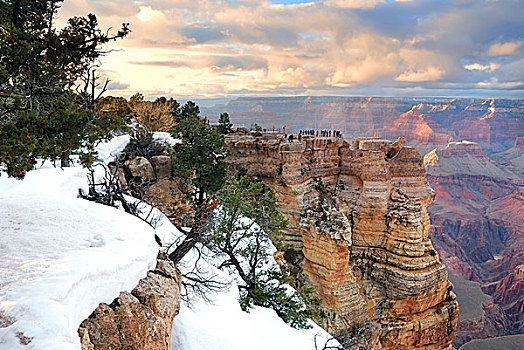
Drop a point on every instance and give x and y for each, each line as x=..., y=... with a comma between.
x=223, y=325
x=60, y=256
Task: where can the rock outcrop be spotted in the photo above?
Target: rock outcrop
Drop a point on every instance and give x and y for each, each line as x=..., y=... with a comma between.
x=140, y=320
x=359, y=234
x=151, y=180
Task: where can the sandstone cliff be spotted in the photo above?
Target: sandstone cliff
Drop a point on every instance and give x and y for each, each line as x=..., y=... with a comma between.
x=359, y=233
x=140, y=320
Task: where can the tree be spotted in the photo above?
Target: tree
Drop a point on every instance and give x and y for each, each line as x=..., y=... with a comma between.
x=117, y=106
x=241, y=235
x=199, y=160
x=41, y=112
x=224, y=124
x=190, y=109
x=135, y=99
x=154, y=116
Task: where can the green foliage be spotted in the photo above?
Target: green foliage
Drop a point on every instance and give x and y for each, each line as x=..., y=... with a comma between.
x=18, y=143
x=224, y=124
x=199, y=157
x=39, y=67
x=142, y=144
x=242, y=232
x=294, y=307
x=190, y=109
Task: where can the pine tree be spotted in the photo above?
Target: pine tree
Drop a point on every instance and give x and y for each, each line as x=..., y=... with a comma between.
x=224, y=124
x=40, y=114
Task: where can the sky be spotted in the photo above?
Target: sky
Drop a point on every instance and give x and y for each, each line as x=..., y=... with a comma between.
x=215, y=49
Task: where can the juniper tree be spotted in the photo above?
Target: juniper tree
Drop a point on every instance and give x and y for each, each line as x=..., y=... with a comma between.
x=41, y=114
x=242, y=233
x=199, y=160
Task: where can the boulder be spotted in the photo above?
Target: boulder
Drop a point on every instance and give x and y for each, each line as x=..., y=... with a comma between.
x=140, y=320
x=140, y=167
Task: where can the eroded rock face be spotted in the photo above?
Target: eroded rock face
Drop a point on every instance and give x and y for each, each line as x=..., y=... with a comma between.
x=477, y=227
x=140, y=320
x=151, y=180
x=359, y=228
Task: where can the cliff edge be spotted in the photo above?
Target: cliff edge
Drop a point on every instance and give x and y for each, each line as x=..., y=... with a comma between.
x=359, y=234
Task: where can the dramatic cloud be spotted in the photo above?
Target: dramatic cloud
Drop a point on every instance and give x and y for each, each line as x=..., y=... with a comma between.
x=224, y=48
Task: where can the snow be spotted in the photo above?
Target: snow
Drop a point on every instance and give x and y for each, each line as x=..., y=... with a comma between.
x=108, y=150
x=223, y=325
x=165, y=137
x=62, y=256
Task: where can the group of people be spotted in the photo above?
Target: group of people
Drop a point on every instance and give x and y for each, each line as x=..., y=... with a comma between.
x=312, y=132
x=321, y=133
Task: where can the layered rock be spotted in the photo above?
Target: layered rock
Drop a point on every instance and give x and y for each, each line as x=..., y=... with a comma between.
x=513, y=158
x=477, y=229
x=151, y=180
x=426, y=122
x=140, y=320
x=359, y=227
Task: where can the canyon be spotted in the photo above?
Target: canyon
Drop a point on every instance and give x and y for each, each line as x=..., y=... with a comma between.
x=393, y=236
x=474, y=151
x=359, y=233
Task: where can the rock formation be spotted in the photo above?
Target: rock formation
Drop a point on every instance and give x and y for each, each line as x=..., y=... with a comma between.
x=426, y=122
x=140, y=320
x=151, y=180
x=477, y=218
x=359, y=233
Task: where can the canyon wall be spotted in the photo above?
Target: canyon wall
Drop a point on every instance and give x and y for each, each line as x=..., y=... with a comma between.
x=478, y=210
x=477, y=227
x=359, y=234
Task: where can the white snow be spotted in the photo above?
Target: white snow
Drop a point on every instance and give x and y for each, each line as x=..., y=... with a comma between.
x=108, y=150
x=165, y=137
x=60, y=256
x=223, y=325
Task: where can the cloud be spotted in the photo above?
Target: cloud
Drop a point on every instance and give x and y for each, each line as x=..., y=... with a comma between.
x=501, y=49
x=117, y=85
x=478, y=66
x=429, y=74
x=353, y=4
x=214, y=62
x=211, y=47
x=148, y=14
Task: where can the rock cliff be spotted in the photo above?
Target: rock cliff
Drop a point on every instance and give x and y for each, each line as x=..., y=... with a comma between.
x=140, y=320
x=359, y=234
